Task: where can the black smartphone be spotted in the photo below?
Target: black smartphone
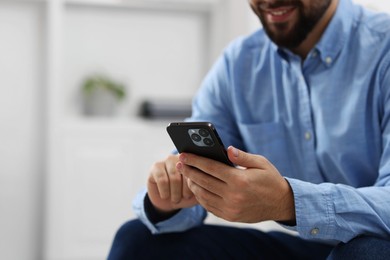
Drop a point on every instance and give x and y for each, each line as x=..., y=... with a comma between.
x=200, y=138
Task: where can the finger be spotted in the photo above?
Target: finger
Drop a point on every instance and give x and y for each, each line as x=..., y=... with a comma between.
x=213, y=168
x=187, y=193
x=175, y=183
x=208, y=200
x=160, y=177
x=246, y=160
x=205, y=181
x=153, y=189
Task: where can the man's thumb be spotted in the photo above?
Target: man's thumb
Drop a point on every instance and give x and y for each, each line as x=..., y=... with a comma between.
x=244, y=159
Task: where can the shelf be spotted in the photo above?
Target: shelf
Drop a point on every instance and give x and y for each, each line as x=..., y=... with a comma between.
x=24, y=1
x=175, y=5
x=114, y=122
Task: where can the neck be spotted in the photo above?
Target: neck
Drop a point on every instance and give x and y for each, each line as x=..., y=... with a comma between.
x=314, y=36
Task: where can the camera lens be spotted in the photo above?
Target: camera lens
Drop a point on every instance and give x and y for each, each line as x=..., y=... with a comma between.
x=196, y=137
x=208, y=141
x=203, y=132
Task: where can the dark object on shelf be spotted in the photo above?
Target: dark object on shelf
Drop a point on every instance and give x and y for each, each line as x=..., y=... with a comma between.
x=156, y=109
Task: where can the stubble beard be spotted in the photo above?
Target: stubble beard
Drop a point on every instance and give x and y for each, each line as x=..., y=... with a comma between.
x=282, y=36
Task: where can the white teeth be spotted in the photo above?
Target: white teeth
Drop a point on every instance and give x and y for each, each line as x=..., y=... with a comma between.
x=278, y=13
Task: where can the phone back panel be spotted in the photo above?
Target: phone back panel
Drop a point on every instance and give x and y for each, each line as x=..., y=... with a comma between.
x=200, y=138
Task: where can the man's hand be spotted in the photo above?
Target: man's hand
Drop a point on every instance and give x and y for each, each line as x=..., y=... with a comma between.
x=251, y=193
x=168, y=189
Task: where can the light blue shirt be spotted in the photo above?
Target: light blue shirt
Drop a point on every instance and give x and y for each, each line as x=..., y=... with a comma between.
x=323, y=122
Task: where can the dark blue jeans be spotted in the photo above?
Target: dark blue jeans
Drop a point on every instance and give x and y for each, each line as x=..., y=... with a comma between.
x=134, y=241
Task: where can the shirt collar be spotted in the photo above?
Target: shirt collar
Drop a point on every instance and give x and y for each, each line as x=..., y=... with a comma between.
x=335, y=35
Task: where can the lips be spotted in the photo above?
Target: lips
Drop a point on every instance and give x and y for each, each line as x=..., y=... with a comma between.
x=277, y=13
x=280, y=14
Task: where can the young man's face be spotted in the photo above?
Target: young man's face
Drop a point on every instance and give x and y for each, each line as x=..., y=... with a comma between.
x=288, y=22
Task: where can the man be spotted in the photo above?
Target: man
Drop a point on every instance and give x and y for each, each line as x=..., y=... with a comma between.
x=307, y=99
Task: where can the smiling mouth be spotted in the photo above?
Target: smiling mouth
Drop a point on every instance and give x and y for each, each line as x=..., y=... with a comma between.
x=278, y=14
x=280, y=11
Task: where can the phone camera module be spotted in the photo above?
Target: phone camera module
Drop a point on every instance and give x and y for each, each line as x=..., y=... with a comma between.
x=208, y=142
x=196, y=137
x=203, y=132
x=201, y=137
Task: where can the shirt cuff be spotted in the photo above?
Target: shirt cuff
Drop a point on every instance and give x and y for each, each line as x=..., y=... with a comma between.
x=152, y=214
x=183, y=220
x=315, y=214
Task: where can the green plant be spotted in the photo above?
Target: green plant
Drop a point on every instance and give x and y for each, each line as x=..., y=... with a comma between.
x=96, y=82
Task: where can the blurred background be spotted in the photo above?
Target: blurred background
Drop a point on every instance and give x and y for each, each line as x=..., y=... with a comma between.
x=89, y=87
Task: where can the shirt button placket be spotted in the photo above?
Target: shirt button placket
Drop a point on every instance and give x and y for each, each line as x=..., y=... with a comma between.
x=305, y=112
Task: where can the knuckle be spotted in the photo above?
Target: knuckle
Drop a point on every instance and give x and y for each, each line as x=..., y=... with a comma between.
x=233, y=207
x=205, y=197
x=172, y=159
x=213, y=167
x=262, y=159
x=161, y=179
x=175, y=177
x=242, y=182
x=236, y=200
x=204, y=182
x=191, y=186
x=157, y=167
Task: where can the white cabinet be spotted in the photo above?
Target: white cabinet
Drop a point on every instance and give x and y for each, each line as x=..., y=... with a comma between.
x=103, y=165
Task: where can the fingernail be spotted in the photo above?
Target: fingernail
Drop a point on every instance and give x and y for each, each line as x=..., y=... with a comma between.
x=179, y=166
x=182, y=158
x=235, y=151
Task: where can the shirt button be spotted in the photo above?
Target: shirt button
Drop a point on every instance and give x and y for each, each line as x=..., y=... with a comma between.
x=328, y=60
x=314, y=231
x=307, y=136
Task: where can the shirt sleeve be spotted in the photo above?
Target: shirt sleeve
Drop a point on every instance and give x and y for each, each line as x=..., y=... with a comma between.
x=337, y=212
x=185, y=219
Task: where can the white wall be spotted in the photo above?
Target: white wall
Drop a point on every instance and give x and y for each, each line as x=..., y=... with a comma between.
x=21, y=130
x=379, y=5
x=147, y=57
